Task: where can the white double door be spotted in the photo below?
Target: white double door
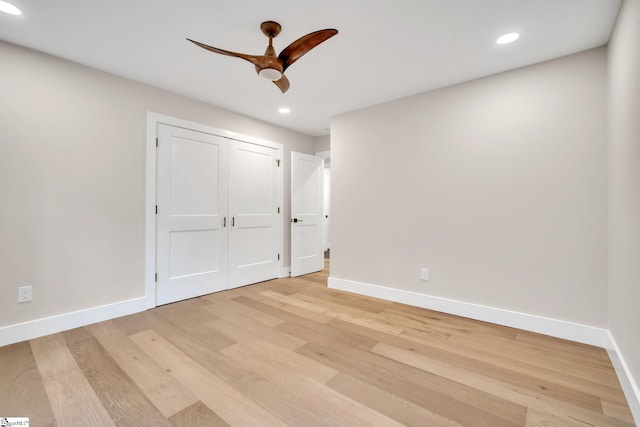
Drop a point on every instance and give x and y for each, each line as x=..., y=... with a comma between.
x=217, y=214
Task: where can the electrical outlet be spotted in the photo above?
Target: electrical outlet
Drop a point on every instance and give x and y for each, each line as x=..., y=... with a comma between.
x=24, y=294
x=424, y=273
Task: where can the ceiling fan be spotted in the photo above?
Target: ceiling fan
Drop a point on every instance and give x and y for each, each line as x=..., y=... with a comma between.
x=270, y=66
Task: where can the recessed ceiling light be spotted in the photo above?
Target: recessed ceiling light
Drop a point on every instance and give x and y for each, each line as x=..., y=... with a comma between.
x=9, y=8
x=507, y=38
x=284, y=110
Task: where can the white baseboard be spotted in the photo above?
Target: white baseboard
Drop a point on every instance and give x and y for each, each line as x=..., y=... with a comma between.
x=556, y=328
x=62, y=322
x=629, y=386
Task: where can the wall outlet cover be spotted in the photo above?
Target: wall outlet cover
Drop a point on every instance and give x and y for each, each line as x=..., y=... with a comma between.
x=24, y=294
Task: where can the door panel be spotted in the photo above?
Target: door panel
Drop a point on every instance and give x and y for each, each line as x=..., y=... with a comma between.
x=326, y=201
x=253, y=239
x=191, y=252
x=306, y=214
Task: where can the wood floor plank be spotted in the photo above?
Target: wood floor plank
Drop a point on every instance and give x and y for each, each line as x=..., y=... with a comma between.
x=73, y=400
x=263, y=304
x=137, y=322
x=417, y=388
x=230, y=405
x=542, y=419
x=123, y=400
x=300, y=391
x=525, y=397
x=618, y=410
x=345, y=312
x=306, y=329
x=239, y=325
x=423, y=325
x=600, y=374
x=197, y=414
x=573, y=389
x=401, y=410
x=22, y=393
x=371, y=305
x=546, y=355
x=166, y=394
x=558, y=344
x=449, y=323
x=256, y=295
x=191, y=319
x=224, y=309
x=292, y=409
x=191, y=310
x=74, y=336
x=283, y=358
x=320, y=333
x=282, y=311
x=180, y=333
x=358, y=319
x=203, y=352
x=283, y=286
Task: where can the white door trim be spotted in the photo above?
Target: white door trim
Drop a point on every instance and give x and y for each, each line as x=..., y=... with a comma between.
x=153, y=119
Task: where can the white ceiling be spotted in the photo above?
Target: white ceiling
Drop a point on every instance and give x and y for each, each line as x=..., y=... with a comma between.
x=386, y=49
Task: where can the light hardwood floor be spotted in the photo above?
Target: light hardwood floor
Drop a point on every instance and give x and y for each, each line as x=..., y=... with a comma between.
x=292, y=352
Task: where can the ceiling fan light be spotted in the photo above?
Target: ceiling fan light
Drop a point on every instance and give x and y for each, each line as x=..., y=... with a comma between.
x=270, y=74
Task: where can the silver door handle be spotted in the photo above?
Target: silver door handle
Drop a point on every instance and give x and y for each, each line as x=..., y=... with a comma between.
x=296, y=220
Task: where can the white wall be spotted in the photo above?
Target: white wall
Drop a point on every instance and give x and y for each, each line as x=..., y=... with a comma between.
x=497, y=185
x=72, y=180
x=322, y=143
x=624, y=187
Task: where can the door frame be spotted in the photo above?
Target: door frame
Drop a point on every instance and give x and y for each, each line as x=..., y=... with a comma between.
x=153, y=119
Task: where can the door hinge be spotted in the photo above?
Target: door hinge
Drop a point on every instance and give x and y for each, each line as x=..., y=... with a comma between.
x=278, y=162
x=156, y=277
x=278, y=209
x=278, y=257
x=156, y=142
x=156, y=209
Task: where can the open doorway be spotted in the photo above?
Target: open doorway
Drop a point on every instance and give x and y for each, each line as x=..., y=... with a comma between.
x=326, y=203
x=326, y=207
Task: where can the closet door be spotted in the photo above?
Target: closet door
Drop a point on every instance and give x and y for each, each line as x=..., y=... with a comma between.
x=191, y=241
x=253, y=210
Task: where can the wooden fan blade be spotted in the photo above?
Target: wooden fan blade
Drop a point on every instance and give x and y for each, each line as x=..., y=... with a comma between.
x=283, y=83
x=257, y=60
x=304, y=44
